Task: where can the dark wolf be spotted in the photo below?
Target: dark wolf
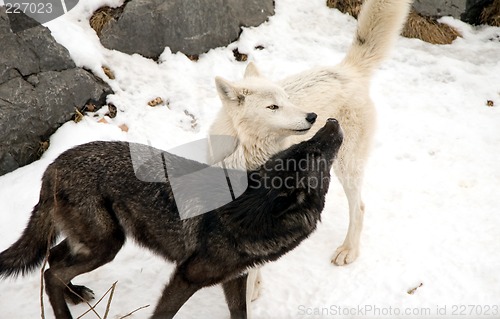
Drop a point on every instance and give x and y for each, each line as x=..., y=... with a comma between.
x=91, y=195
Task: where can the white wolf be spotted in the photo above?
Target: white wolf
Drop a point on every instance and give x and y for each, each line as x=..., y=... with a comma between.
x=266, y=117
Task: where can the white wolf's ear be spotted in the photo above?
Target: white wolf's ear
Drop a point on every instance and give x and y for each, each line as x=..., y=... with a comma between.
x=251, y=70
x=226, y=89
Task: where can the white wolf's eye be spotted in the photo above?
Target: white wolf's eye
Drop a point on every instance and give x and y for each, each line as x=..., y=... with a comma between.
x=273, y=107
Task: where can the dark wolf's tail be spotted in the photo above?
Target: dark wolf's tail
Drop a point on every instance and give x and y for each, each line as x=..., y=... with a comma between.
x=379, y=24
x=28, y=252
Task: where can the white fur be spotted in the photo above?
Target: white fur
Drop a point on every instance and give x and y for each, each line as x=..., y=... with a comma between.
x=340, y=91
x=247, y=115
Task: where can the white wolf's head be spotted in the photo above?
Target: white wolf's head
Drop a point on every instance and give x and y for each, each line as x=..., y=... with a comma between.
x=260, y=108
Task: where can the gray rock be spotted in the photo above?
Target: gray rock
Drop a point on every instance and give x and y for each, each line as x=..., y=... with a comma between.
x=35, y=12
x=40, y=86
x=51, y=56
x=458, y=9
x=30, y=51
x=192, y=27
x=251, y=13
x=4, y=22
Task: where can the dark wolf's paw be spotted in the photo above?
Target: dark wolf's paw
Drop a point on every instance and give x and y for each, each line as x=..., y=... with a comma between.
x=77, y=294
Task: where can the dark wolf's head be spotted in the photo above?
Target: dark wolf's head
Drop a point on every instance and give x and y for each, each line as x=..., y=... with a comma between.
x=293, y=182
x=322, y=147
x=304, y=167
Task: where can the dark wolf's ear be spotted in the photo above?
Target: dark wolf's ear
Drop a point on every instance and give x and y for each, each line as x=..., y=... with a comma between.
x=251, y=70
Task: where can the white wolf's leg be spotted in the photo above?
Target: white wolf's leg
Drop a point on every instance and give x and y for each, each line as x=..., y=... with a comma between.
x=351, y=178
x=253, y=284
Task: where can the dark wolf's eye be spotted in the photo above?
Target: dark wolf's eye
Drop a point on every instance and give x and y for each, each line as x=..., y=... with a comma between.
x=273, y=107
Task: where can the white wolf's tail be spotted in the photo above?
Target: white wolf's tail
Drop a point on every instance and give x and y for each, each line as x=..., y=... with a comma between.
x=379, y=24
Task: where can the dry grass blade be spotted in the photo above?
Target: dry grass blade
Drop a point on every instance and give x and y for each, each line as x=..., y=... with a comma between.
x=428, y=30
x=83, y=299
x=104, y=15
x=42, y=271
x=346, y=6
x=98, y=301
x=78, y=116
x=101, y=17
x=108, y=305
x=110, y=74
x=491, y=14
x=42, y=147
x=132, y=312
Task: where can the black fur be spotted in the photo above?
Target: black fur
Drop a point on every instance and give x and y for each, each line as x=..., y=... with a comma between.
x=91, y=195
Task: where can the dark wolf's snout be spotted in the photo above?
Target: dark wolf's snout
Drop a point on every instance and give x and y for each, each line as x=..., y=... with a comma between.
x=330, y=135
x=331, y=128
x=333, y=123
x=311, y=117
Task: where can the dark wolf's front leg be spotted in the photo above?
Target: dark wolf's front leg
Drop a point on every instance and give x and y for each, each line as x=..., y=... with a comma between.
x=235, y=291
x=175, y=294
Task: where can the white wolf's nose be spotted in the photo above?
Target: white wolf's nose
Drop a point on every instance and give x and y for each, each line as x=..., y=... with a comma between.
x=311, y=117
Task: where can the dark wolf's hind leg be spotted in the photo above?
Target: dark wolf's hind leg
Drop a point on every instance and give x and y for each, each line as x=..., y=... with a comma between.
x=235, y=291
x=74, y=294
x=92, y=253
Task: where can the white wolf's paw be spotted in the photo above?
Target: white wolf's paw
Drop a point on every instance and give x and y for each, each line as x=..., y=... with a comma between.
x=345, y=255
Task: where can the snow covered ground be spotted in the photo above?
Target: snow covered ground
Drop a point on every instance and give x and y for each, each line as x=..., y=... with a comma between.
x=431, y=185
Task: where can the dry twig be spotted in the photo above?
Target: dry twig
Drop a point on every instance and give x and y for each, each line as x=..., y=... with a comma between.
x=98, y=301
x=131, y=313
x=42, y=271
x=108, y=305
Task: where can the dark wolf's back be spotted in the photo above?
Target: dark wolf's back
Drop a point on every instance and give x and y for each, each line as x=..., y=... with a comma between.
x=104, y=175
